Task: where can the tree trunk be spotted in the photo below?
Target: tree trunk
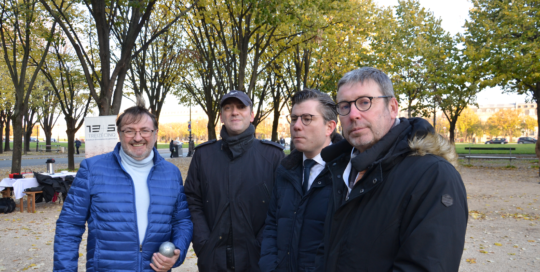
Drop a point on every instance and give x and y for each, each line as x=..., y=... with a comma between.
x=7, y=147
x=71, y=141
x=536, y=97
x=211, y=131
x=409, y=110
x=1, y=136
x=27, y=135
x=275, y=126
x=17, y=144
x=452, y=130
x=48, y=136
x=210, y=125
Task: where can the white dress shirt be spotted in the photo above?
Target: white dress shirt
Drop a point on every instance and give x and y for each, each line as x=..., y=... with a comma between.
x=316, y=169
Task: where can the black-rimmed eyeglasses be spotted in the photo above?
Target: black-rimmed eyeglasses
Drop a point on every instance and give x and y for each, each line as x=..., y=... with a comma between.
x=306, y=119
x=132, y=133
x=362, y=103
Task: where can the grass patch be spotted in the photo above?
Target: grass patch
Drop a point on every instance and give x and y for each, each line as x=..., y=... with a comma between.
x=510, y=166
x=60, y=170
x=520, y=149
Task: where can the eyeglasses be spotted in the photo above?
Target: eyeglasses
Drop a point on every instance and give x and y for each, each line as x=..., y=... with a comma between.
x=132, y=133
x=306, y=119
x=362, y=103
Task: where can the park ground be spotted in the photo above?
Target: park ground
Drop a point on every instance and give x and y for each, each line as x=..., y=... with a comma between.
x=503, y=233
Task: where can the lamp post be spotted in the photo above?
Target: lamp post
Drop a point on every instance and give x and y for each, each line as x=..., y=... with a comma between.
x=191, y=145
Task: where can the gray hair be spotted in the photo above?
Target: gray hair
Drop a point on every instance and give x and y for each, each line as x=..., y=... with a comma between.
x=326, y=104
x=369, y=73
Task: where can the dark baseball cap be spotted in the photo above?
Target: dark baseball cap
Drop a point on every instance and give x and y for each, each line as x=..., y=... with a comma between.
x=238, y=95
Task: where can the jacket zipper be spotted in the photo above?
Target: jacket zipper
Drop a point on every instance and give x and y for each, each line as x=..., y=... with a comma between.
x=267, y=191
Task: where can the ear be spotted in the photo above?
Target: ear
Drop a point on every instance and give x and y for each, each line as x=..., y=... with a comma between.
x=393, y=107
x=252, y=117
x=330, y=127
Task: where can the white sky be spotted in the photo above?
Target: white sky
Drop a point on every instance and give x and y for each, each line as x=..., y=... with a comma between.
x=453, y=15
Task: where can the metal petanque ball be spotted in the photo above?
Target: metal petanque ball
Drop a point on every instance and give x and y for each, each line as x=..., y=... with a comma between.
x=166, y=249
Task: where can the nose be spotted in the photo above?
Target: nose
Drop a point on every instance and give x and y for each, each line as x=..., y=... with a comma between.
x=137, y=136
x=355, y=113
x=298, y=125
x=234, y=110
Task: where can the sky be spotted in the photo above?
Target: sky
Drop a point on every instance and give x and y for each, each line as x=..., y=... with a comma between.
x=453, y=15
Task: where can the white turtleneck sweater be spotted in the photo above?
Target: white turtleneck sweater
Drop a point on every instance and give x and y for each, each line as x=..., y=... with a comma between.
x=139, y=170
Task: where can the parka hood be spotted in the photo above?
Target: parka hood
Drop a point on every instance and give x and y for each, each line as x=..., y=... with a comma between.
x=411, y=137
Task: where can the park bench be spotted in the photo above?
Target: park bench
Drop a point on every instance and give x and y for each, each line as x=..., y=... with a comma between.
x=469, y=157
x=43, y=148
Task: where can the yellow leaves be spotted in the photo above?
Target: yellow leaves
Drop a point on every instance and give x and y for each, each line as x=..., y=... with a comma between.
x=471, y=260
x=80, y=254
x=512, y=254
x=477, y=215
x=530, y=241
x=484, y=252
x=498, y=244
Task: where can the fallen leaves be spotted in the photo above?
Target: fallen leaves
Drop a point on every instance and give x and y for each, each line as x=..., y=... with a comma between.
x=471, y=260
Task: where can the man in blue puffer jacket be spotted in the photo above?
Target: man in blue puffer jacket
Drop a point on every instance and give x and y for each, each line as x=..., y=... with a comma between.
x=133, y=201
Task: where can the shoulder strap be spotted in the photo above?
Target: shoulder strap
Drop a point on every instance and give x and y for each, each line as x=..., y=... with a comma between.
x=206, y=143
x=272, y=144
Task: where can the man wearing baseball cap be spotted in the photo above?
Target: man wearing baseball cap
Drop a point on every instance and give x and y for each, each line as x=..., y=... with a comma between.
x=228, y=188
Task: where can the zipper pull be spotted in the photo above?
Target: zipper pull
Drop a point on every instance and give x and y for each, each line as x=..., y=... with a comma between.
x=140, y=248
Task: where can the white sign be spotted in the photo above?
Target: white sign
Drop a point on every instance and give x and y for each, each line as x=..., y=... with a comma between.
x=100, y=135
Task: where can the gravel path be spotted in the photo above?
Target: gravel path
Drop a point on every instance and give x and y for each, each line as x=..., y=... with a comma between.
x=502, y=235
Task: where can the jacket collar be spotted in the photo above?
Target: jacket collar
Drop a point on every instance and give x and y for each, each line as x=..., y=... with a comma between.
x=296, y=157
x=116, y=154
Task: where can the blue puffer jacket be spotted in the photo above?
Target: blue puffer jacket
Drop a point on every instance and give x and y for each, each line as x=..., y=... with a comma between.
x=103, y=195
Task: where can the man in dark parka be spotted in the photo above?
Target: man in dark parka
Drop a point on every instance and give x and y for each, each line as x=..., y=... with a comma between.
x=295, y=223
x=228, y=189
x=398, y=202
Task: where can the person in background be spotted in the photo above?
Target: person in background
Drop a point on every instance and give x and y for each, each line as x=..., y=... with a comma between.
x=131, y=199
x=295, y=223
x=77, y=145
x=171, y=147
x=228, y=189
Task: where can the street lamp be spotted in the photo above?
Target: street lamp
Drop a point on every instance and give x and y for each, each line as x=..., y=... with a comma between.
x=191, y=145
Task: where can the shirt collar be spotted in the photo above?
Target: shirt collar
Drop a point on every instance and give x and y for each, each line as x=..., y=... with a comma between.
x=318, y=159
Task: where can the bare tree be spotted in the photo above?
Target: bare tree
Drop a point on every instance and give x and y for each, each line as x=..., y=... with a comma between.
x=115, y=19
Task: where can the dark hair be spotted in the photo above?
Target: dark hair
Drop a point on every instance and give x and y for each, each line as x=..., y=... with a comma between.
x=134, y=115
x=326, y=104
x=368, y=73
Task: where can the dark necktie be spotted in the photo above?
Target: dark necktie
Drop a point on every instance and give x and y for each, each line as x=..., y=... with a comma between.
x=307, y=168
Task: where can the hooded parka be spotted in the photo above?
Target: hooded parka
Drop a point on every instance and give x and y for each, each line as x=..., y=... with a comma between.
x=407, y=213
x=226, y=190
x=295, y=223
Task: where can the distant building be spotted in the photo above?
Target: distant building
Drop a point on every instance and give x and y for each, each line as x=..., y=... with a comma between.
x=487, y=110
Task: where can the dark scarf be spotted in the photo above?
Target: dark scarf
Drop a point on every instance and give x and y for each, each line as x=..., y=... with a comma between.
x=395, y=143
x=238, y=144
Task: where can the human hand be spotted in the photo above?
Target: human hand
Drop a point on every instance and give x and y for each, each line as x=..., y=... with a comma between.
x=162, y=263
